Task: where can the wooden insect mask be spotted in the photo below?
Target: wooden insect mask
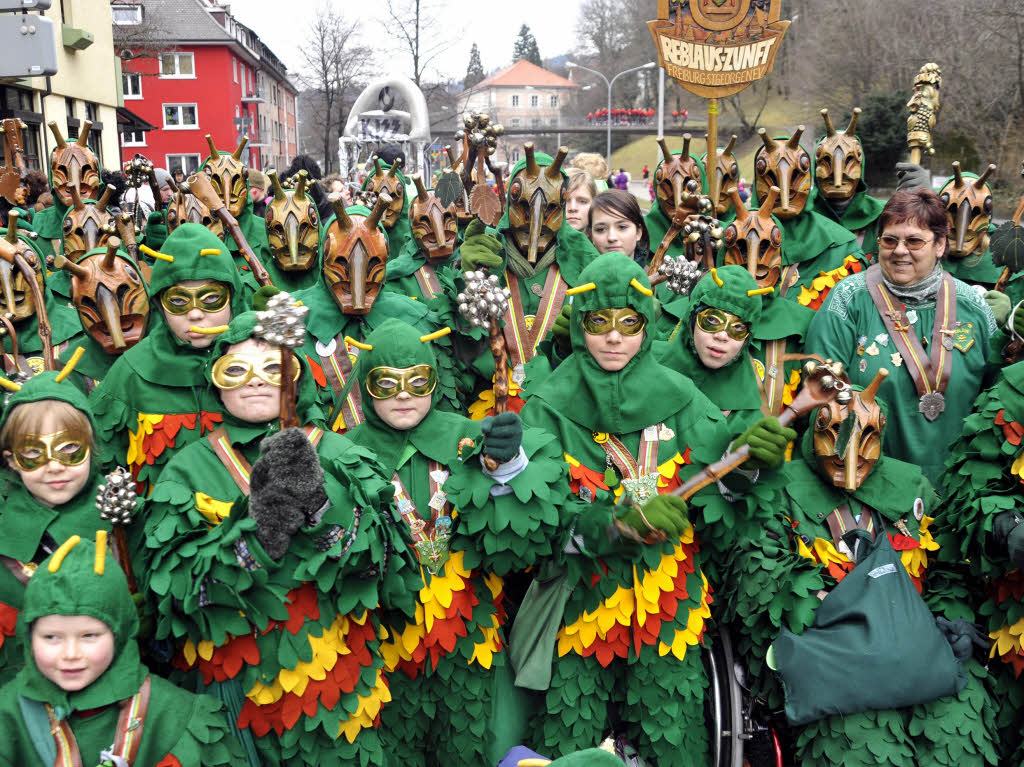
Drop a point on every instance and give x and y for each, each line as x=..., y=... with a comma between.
x=671, y=176
x=355, y=256
x=848, y=437
x=16, y=300
x=754, y=241
x=293, y=225
x=73, y=165
x=228, y=176
x=87, y=225
x=186, y=208
x=727, y=171
x=390, y=183
x=787, y=165
x=969, y=211
x=110, y=297
x=434, y=226
x=536, y=204
x=839, y=160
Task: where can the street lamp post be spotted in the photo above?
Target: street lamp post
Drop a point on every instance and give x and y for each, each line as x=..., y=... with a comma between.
x=608, y=116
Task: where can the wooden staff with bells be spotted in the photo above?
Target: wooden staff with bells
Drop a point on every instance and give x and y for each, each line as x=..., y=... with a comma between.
x=283, y=324
x=117, y=501
x=484, y=302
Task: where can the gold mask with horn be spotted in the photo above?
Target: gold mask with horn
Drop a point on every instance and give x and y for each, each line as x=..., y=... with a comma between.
x=16, y=299
x=186, y=208
x=355, y=256
x=87, y=225
x=293, y=225
x=434, y=226
x=536, y=204
x=848, y=437
x=787, y=165
x=754, y=241
x=110, y=297
x=839, y=160
x=670, y=178
x=969, y=208
x=390, y=183
x=727, y=171
x=73, y=165
x=228, y=176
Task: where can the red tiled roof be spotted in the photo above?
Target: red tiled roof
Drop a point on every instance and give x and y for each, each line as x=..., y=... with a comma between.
x=524, y=73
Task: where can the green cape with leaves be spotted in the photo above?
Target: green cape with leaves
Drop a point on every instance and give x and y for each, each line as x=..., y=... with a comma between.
x=179, y=728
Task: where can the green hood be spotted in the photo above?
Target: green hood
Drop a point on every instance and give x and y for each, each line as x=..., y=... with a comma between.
x=863, y=209
x=76, y=589
x=241, y=329
x=810, y=233
x=644, y=392
x=185, y=244
x=397, y=344
x=732, y=296
x=45, y=386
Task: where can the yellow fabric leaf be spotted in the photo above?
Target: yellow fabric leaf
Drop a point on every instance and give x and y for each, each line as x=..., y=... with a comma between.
x=213, y=511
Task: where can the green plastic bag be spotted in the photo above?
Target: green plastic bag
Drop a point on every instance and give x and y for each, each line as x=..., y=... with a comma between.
x=873, y=644
x=532, y=641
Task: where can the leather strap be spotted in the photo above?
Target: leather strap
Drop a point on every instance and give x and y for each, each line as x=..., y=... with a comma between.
x=841, y=521
x=337, y=368
x=522, y=340
x=427, y=279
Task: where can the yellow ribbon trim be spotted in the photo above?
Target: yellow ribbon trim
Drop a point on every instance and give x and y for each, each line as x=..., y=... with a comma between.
x=213, y=511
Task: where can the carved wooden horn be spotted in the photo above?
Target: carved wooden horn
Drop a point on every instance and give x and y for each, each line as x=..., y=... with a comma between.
x=531, y=162
x=214, y=154
x=769, y=144
x=830, y=129
x=980, y=181
x=104, y=200
x=393, y=170
x=685, y=154
x=76, y=198
x=737, y=203
x=71, y=267
x=868, y=395
x=421, y=191
x=237, y=154
x=113, y=245
x=959, y=182
x=61, y=143
x=853, y=121
x=377, y=170
x=12, y=227
x=275, y=184
x=83, y=135
x=794, y=140
x=300, y=185
x=769, y=202
x=338, y=203
x=383, y=200
x=731, y=145
x=666, y=155
x=554, y=170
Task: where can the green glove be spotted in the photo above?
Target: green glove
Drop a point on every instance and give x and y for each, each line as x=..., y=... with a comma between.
x=1018, y=320
x=560, y=330
x=479, y=250
x=767, y=439
x=663, y=512
x=503, y=434
x=1000, y=305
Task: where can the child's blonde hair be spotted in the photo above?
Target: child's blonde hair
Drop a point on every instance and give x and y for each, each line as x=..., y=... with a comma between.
x=27, y=418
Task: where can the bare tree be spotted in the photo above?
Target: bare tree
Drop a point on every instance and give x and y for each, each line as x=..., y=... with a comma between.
x=416, y=26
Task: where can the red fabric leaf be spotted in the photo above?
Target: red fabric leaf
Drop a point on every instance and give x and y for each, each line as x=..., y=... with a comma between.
x=169, y=761
x=902, y=542
x=318, y=372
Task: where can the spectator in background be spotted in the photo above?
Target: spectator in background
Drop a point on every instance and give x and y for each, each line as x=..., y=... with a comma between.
x=622, y=180
x=316, y=191
x=258, y=192
x=391, y=152
x=179, y=176
x=37, y=185
x=163, y=183
x=581, y=193
x=595, y=165
x=647, y=172
x=45, y=200
x=744, y=192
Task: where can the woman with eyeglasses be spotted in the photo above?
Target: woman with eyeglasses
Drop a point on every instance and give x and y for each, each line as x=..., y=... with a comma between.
x=906, y=313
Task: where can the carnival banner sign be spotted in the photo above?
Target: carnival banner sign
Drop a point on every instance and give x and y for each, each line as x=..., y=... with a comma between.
x=716, y=48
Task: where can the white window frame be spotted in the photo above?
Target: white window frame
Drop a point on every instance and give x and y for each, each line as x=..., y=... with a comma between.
x=553, y=101
x=129, y=96
x=534, y=101
x=198, y=159
x=177, y=67
x=514, y=101
x=128, y=138
x=122, y=7
x=234, y=68
x=513, y=122
x=163, y=112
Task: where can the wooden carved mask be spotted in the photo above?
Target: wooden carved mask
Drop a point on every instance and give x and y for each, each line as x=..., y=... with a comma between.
x=754, y=241
x=186, y=208
x=16, y=300
x=536, y=205
x=787, y=165
x=848, y=437
x=671, y=176
x=390, y=183
x=73, y=165
x=839, y=160
x=87, y=225
x=110, y=297
x=434, y=226
x=293, y=225
x=727, y=171
x=969, y=211
x=228, y=176
x=355, y=256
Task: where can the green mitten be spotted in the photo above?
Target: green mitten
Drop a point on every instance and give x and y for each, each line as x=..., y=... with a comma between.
x=479, y=250
x=503, y=434
x=1000, y=305
x=560, y=330
x=663, y=512
x=767, y=440
x=1018, y=320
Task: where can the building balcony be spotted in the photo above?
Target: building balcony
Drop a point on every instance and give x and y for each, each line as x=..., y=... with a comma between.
x=253, y=98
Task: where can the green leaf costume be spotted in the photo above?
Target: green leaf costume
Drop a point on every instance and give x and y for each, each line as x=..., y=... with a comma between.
x=453, y=699
x=848, y=328
x=154, y=400
x=175, y=729
x=773, y=582
x=32, y=530
x=983, y=480
x=635, y=617
x=293, y=646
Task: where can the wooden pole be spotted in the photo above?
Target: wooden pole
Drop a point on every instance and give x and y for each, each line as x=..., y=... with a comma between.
x=712, y=158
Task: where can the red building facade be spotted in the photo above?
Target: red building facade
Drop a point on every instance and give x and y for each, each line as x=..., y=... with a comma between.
x=217, y=78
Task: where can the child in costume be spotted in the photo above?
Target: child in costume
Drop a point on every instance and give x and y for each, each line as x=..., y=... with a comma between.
x=984, y=528
x=471, y=526
x=634, y=607
x=153, y=401
x=837, y=499
x=84, y=697
x=268, y=552
x=49, y=492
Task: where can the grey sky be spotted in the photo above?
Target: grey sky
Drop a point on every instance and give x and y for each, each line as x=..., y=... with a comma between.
x=492, y=25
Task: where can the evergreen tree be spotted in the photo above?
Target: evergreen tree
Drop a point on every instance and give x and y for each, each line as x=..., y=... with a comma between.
x=475, y=70
x=526, y=46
